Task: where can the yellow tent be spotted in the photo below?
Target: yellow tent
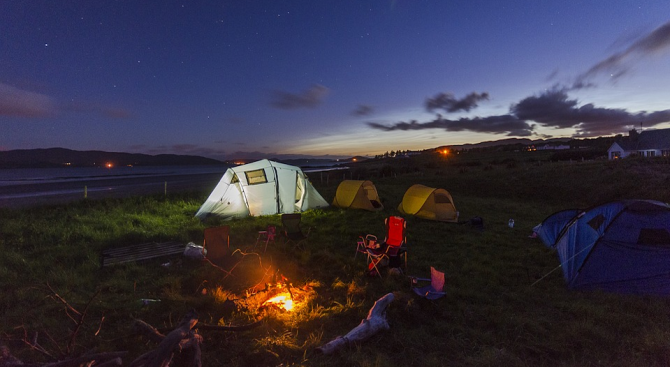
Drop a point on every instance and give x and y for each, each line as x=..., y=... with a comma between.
x=429, y=203
x=357, y=195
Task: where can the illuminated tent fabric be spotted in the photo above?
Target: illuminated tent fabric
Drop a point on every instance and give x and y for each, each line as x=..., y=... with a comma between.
x=429, y=203
x=551, y=228
x=622, y=246
x=357, y=195
x=261, y=188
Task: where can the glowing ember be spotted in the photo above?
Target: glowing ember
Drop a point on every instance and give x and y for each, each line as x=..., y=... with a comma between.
x=282, y=301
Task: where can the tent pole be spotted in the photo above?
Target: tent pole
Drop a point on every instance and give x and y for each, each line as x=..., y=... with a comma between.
x=277, y=201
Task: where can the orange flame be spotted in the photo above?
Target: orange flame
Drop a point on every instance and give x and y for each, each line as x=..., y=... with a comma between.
x=282, y=301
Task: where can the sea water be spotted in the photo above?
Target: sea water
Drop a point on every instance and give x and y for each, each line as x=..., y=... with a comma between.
x=24, y=176
x=37, y=182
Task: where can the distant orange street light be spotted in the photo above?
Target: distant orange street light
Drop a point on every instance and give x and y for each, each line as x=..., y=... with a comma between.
x=109, y=165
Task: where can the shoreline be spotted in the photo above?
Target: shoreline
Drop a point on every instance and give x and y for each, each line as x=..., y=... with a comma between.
x=53, y=193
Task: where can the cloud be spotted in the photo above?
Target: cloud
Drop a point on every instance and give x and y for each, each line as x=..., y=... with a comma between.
x=552, y=109
x=20, y=103
x=503, y=124
x=617, y=64
x=363, y=110
x=448, y=103
x=310, y=98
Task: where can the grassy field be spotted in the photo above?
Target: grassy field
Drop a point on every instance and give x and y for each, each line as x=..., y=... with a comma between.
x=491, y=316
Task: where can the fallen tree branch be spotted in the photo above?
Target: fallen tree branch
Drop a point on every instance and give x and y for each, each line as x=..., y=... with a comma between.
x=191, y=352
x=80, y=322
x=148, y=330
x=35, y=346
x=7, y=359
x=163, y=354
x=98, y=357
x=102, y=359
x=62, y=300
x=375, y=322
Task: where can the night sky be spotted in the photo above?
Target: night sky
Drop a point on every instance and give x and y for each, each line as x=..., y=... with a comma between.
x=263, y=79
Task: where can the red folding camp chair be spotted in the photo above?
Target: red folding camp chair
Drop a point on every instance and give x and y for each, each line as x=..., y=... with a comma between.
x=392, y=249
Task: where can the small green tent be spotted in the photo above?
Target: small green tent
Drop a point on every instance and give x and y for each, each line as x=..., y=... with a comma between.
x=357, y=195
x=429, y=203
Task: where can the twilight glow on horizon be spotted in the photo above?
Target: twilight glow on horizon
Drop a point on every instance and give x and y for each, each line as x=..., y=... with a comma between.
x=262, y=79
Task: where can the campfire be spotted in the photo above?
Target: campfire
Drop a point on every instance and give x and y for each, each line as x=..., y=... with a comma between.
x=282, y=301
x=283, y=296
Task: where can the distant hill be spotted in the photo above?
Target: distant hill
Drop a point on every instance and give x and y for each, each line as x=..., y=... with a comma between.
x=510, y=141
x=598, y=143
x=59, y=157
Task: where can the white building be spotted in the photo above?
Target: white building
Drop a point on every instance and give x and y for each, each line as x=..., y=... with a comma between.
x=648, y=143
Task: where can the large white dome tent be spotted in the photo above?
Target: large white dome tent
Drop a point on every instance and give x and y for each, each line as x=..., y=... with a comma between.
x=261, y=188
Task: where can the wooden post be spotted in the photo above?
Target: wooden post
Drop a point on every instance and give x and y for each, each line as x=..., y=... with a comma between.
x=165, y=188
x=85, y=192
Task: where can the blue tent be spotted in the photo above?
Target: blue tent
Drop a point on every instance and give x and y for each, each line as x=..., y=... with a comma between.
x=550, y=229
x=621, y=246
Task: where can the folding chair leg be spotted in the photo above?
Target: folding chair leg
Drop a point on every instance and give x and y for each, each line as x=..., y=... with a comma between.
x=374, y=263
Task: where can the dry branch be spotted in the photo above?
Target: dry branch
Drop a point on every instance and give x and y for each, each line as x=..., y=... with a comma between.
x=102, y=359
x=163, y=354
x=7, y=359
x=375, y=322
x=98, y=357
x=149, y=331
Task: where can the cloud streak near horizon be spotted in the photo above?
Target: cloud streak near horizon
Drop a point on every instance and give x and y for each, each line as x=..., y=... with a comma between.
x=17, y=102
x=310, y=98
x=363, y=110
x=448, y=103
x=551, y=109
x=21, y=103
x=617, y=64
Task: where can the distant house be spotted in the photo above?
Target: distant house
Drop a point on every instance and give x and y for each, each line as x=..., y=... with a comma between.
x=648, y=143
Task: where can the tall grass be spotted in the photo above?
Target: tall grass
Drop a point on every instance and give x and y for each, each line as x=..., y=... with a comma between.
x=491, y=316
